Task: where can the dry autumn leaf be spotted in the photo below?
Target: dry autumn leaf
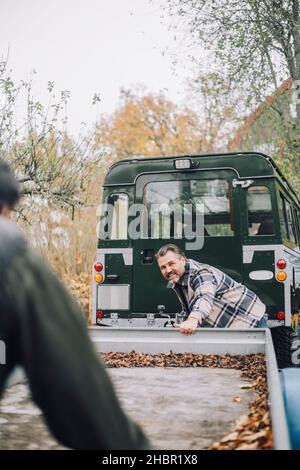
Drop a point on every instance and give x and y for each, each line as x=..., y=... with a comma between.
x=230, y=437
x=237, y=399
x=254, y=437
x=253, y=446
x=246, y=386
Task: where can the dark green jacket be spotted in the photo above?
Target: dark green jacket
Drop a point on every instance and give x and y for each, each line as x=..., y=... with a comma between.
x=44, y=332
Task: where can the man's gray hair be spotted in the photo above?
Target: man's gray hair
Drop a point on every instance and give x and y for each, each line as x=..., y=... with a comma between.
x=165, y=248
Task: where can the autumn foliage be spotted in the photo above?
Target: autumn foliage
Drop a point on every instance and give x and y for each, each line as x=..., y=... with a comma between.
x=149, y=125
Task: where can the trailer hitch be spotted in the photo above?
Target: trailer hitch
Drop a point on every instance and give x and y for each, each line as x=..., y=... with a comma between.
x=169, y=323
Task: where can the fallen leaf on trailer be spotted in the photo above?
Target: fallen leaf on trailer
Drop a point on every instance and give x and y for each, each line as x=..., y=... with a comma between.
x=230, y=437
x=253, y=446
x=247, y=432
x=268, y=444
x=215, y=446
x=254, y=437
x=241, y=422
x=246, y=386
x=237, y=399
x=266, y=419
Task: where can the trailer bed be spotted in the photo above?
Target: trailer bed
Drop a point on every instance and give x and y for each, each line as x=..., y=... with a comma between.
x=183, y=408
x=204, y=341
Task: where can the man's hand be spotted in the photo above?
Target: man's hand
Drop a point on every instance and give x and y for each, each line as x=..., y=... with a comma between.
x=188, y=326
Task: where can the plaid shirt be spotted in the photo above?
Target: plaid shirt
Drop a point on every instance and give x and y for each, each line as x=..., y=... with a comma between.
x=215, y=299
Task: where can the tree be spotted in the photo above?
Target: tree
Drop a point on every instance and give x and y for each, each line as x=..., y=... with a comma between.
x=256, y=43
x=50, y=165
x=150, y=125
x=218, y=108
x=59, y=177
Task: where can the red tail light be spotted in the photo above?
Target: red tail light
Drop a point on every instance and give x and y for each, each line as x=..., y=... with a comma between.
x=99, y=314
x=98, y=267
x=281, y=264
x=280, y=315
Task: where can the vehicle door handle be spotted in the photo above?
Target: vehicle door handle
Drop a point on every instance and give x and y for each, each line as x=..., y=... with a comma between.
x=148, y=256
x=112, y=277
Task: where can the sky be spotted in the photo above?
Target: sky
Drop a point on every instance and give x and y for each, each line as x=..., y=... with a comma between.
x=87, y=47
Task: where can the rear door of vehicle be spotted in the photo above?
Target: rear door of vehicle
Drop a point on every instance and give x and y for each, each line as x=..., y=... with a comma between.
x=260, y=227
x=222, y=246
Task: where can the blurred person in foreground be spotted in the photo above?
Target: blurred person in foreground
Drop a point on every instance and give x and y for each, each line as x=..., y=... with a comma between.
x=43, y=331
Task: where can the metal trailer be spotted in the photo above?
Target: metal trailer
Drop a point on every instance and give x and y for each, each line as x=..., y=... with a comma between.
x=250, y=230
x=283, y=386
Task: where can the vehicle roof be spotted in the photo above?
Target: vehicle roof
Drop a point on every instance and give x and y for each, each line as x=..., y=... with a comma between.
x=246, y=164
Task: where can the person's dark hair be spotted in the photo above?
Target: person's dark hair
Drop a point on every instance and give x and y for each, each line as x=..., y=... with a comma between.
x=9, y=188
x=266, y=227
x=165, y=248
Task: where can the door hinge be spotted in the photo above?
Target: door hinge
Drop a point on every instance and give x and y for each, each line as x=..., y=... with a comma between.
x=242, y=183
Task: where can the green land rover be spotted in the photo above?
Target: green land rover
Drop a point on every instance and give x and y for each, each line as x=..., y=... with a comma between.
x=248, y=225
